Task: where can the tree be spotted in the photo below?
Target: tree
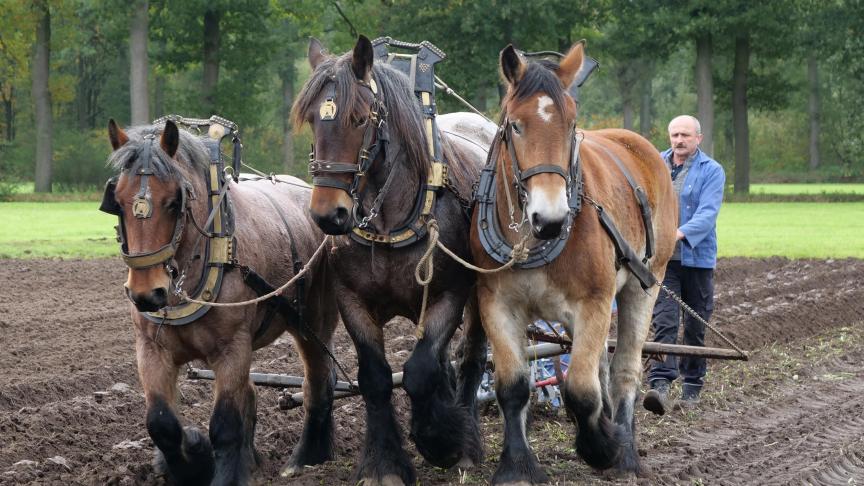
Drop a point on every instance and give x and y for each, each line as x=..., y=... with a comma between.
x=42, y=97
x=139, y=64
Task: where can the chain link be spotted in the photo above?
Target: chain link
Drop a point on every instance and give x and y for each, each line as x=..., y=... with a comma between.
x=699, y=318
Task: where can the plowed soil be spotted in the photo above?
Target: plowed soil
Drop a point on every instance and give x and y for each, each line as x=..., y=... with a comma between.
x=793, y=414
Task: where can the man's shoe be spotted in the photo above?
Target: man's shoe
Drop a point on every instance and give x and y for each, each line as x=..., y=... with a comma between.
x=657, y=398
x=689, y=397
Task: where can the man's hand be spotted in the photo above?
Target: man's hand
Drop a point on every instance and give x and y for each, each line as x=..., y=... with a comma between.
x=680, y=235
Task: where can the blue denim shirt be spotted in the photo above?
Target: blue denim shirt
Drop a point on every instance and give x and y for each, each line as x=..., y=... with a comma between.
x=698, y=206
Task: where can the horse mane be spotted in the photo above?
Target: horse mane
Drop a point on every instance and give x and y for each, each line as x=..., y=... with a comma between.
x=190, y=151
x=404, y=114
x=540, y=76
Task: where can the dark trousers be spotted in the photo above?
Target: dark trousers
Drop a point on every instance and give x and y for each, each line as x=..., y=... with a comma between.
x=696, y=288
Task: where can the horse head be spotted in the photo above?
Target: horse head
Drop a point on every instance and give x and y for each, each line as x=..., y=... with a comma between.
x=341, y=104
x=151, y=199
x=366, y=122
x=539, y=130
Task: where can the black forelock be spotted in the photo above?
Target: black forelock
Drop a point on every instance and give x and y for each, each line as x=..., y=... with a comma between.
x=540, y=77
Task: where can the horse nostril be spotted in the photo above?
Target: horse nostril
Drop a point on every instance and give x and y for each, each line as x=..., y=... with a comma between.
x=341, y=216
x=160, y=297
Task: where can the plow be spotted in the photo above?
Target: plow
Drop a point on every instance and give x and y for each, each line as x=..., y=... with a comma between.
x=548, y=346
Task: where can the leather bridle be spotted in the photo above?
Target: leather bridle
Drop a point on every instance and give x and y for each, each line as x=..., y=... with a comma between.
x=142, y=208
x=375, y=139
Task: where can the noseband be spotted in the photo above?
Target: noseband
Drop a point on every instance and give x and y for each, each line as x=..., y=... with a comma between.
x=521, y=177
x=375, y=139
x=142, y=208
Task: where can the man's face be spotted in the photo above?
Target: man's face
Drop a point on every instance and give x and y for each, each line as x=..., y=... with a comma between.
x=683, y=138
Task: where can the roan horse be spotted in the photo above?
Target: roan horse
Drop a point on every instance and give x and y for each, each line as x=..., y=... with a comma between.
x=161, y=196
x=369, y=132
x=543, y=161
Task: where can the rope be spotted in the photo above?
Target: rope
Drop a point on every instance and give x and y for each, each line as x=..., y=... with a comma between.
x=264, y=297
x=700, y=319
x=424, y=271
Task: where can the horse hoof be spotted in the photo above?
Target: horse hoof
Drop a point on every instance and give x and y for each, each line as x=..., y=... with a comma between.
x=290, y=471
x=465, y=463
x=388, y=480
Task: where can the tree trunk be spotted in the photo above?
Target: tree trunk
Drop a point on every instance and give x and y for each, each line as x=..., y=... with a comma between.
x=625, y=86
x=211, y=60
x=287, y=76
x=814, y=111
x=159, y=96
x=42, y=97
x=739, y=114
x=705, y=91
x=9, y=111
x=139, y=64
x=646, y=98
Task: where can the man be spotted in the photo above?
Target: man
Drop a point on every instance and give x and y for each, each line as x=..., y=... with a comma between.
x=699, y=181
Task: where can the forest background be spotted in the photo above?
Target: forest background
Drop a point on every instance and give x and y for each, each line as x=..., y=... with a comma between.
x=777, y=84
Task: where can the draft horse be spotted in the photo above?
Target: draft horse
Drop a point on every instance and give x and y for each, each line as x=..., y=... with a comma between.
x=258, y=234
x=566, y=187
x=374, y=181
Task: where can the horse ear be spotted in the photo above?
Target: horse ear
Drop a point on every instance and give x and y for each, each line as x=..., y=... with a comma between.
x=170, y=138
x=116, y=134
x=362, y=58
x=571, y=64
x=512, y=66
x=317, y=53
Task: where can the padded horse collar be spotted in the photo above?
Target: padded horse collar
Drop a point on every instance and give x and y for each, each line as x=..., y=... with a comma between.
x=489, y=228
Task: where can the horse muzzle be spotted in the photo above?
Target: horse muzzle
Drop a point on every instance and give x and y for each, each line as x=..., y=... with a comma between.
x=336, y=222
x=150, y=301
x=545, y=229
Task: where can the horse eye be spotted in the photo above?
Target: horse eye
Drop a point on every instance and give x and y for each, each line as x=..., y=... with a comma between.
x=517, y=128
x=361, y=122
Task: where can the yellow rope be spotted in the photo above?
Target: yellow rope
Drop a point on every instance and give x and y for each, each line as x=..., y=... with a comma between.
x=264, y=297
x=425, y=266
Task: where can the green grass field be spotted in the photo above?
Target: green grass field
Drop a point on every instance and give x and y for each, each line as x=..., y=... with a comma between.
x=790, y=189
x=62, y=229
x=794, y=230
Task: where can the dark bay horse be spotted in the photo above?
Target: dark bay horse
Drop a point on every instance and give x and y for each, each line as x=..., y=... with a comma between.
x=372, y=175
x=538, y=145
x=161, y=196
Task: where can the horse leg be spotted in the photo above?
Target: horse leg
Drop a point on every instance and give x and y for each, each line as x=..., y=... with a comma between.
x=316, y=441
x=443, y=429
x=598, y=439
x=472, y=364
x=384, y=460
x=634, y=319
x=232, y=425
x=183, y=455
x=505, y=327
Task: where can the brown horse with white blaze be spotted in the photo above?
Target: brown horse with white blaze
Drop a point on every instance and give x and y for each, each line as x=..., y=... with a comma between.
x=161, y=197
x=540, y=149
